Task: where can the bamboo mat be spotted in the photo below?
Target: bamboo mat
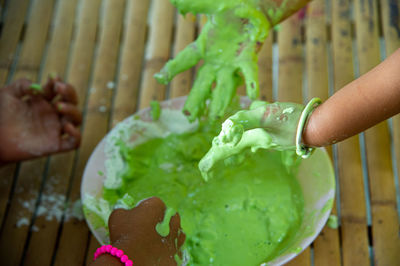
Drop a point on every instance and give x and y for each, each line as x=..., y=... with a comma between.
x=110, y=49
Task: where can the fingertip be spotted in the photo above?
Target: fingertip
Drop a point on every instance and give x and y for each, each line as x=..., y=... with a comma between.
x=71, y=137
x=67, y=92
x=70, y=112
x=181, y=238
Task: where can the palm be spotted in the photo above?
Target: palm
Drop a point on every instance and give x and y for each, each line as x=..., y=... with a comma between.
x=32, y=125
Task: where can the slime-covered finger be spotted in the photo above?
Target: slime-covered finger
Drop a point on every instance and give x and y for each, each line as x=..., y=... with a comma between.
x=70, y=112
x=196, y=101
x=223, y=93
x=249, y=119
x=186, y=59
x=275, y=126
x=250, y=73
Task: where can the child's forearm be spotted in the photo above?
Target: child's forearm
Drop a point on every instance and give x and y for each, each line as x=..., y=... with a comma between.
x=358, y=106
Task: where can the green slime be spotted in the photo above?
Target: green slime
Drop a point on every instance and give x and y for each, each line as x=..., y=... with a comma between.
x=247, y=214
x=228, y=45
x=163, y=227
x=263, y=126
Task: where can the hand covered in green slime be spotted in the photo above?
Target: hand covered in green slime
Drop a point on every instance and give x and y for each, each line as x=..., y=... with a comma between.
x=266, y=126
x=228, y=46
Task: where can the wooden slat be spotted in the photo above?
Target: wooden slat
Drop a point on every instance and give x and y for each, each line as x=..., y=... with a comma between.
x=385, y=222
x=290, y=61
x=158, y=51
x=10, y=35
x=126, y=97
x=60, y=41
x=265, y=69
x=81, y=62
x=326, y=246
x=74, y=233
x=390, y=14
x=30, y=58
x=304, y=258
x=2, y=6
x=316, y=51
x=352, y=198
x=30, y=175
x=290, y=82
x=7, y=176
x=184, y=35
x=93, y=245
x=58, y=176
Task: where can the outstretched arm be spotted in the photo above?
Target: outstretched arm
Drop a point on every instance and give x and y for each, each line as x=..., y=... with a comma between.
x=358, y=106
x=361, y=104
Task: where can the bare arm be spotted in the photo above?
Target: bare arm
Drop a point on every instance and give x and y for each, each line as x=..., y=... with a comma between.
x=358, y=106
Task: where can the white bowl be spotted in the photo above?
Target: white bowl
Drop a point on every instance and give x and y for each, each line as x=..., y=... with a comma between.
x=315, y=176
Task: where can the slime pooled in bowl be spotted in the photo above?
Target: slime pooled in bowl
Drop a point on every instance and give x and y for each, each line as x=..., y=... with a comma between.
x=247, y=214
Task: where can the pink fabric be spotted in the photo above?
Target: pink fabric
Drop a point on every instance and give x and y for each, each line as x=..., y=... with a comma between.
x=113, y=251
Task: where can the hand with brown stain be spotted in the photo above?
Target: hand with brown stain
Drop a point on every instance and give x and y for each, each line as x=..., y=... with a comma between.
x=38, y=120
x=134, y=232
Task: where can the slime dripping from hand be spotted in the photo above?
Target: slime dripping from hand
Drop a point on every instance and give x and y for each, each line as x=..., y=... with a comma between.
x=228, y=45
x=264, y=125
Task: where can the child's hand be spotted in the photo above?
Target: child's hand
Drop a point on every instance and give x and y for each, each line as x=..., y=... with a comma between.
x=228, y=46
x=134, y=231
x=37, y=121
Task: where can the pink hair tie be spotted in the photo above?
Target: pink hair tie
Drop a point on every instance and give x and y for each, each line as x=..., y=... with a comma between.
x=113, y=251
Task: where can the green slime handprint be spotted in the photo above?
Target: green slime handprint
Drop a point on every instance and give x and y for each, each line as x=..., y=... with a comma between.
x=228, y=45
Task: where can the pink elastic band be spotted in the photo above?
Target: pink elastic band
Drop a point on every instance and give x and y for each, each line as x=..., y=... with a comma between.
x=114, y=252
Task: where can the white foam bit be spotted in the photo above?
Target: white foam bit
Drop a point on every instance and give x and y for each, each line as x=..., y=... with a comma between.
x=166, y=166
x=100, y=207
x=22, y=222
x=127, y=202
x=288, y=110
x=75, y=211
x=111, y=85
x=103, y=109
